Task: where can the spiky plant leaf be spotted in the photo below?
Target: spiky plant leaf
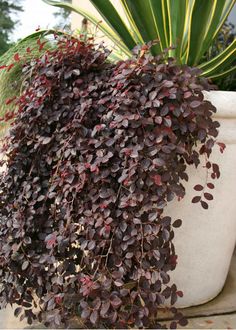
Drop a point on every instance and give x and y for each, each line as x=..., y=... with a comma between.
x=186, y=27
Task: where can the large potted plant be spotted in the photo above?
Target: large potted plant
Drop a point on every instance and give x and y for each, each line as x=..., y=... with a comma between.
x=188, y=29
x=130, y=130
x=95, y=153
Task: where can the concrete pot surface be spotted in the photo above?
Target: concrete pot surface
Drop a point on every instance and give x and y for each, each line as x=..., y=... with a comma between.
x=205, y=241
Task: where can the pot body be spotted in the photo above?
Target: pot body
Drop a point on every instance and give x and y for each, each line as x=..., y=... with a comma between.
x=205, y=241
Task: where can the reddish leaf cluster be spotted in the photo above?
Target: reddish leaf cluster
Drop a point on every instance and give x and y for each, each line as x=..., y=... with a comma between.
x=95, y=153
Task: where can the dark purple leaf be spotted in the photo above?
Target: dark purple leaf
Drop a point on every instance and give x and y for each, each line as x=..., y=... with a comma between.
x=198, y=187
x=116, y=302
x=25, y=265
x=177, y=223
x=183, y=322
x=17, y=311
x=152, y=95
x=204, y=205
x=94, y=317
x=105, y=308
x=46, y=140
x=195, y=104
x=85, y=313
x=210, y=185
x=173, y=325
x=196, y=199
x=208, y=196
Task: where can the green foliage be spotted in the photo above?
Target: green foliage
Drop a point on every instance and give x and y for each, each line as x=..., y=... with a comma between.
x=7, y=23
x=225, y=37
x=190, y=26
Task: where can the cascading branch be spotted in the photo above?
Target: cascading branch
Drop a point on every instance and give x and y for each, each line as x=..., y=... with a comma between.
x=95, y=153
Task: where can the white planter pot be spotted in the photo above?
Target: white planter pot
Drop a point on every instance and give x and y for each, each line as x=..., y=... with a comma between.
x=205, y=241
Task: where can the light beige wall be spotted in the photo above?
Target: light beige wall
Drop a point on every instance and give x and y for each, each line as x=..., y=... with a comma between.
x=87, y=6
x=76, y=18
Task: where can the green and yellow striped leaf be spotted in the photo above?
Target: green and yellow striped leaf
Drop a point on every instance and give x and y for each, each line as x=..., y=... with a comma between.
x=177, y=11
x=220, y=62
x=142, y=14
x=112, y=18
